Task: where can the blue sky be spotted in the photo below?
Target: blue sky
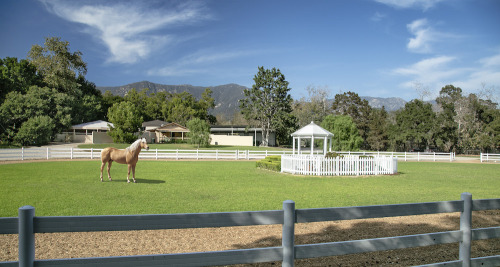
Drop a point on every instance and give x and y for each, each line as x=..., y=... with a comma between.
x=381, y=48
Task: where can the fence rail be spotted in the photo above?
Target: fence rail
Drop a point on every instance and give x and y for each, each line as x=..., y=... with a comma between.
x=345, y=165
x=198, y=154
x=486, y=157
x=26, y=224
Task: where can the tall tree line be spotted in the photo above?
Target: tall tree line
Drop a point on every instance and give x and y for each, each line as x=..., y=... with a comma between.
x=462, y=123
x=47, y=93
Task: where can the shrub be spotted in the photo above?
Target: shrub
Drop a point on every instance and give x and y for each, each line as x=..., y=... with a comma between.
x=272, y=163
x=35, y=131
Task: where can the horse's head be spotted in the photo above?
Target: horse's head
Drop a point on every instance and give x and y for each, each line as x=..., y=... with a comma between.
x=144, y=144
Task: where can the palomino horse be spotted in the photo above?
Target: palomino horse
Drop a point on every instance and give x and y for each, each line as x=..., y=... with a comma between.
x=129, y=156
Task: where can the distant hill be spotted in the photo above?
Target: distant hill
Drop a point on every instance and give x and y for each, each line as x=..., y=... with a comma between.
x=226, y=96
x=390, y=103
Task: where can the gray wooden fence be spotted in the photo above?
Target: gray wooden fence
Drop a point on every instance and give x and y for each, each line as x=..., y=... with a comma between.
x=27, y=224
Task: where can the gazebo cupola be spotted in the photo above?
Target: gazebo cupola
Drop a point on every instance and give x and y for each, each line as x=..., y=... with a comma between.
x=312, y=131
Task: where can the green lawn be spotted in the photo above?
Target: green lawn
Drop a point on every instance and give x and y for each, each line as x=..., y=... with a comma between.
x=74, y=187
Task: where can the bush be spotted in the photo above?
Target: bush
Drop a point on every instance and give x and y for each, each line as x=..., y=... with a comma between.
x=36, y=131
x=272, y=163
x=331, y=155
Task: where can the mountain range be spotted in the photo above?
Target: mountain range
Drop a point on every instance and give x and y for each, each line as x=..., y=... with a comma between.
x=226, y=96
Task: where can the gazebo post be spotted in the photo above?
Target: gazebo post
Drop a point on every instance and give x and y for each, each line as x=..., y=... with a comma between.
x=325, y=140
x=312, y=144
x=293, y=146
x=299, y=146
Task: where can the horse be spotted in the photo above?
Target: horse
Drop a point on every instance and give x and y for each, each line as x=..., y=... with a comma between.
x=129, y=156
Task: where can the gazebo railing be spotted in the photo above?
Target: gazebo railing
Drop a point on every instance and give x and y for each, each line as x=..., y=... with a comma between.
x=345, y=165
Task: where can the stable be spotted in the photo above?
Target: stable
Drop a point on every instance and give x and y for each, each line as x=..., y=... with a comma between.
x=312, y=131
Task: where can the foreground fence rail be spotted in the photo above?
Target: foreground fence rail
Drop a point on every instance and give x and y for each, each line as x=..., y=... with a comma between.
x=197, y=154
x=27, y=224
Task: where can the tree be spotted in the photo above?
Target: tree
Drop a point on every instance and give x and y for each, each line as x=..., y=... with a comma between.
x=180, y=108
x=268, y=102
x=345, y=133
x=58, y=66
x=36, y=131
x=126, y=120
x=199, y=132
x=415, y=125
x=358, y=109
x=378, y=130
x=19, y=108
x=313, y=108
x=17, y=76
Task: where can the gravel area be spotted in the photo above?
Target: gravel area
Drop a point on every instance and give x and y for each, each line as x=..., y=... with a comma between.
x=120, y=243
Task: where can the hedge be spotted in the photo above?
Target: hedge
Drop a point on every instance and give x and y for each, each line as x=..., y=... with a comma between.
x=272, y=163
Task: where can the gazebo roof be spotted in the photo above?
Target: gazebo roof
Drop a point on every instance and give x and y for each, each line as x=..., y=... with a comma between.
x=311, y=130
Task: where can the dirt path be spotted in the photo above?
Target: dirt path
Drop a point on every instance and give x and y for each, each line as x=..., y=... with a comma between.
x=101, y=244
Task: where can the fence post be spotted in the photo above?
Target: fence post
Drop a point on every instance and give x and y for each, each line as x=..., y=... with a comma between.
x=288, y=236
x=71, y=153
x=465, y=227
x=156, y=154
x=91, y=153
x=47, y=153
x=26, y=236
x=22, y=153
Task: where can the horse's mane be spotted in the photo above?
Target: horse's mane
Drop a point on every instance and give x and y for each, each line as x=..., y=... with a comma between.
x=134, y=145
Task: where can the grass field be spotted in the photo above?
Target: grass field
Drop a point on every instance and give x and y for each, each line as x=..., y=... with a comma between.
x=74, y=188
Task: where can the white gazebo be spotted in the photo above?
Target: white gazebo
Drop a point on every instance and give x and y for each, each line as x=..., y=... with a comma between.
x=313, y=131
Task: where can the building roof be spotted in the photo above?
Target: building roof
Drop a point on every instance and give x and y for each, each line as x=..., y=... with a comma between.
x=155, y=123
x=312, y=129
x=233, y=128
x=172, y=127
x=93, y=125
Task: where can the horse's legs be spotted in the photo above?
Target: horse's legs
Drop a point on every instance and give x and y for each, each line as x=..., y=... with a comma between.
x=133, y=172
x=102, y=168
x=109, y=170
x=128, y=173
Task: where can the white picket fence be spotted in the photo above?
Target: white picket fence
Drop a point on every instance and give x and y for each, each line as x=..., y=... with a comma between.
x=345, y=165
x=198, y=154
x=486, y=157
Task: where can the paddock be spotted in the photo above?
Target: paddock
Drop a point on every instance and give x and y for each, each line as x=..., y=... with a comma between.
x=61, y=189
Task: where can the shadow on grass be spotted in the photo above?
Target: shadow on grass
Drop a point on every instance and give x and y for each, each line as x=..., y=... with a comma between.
x=140, y=181
x=377, y=228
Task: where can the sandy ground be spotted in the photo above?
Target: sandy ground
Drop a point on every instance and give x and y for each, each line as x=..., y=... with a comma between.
x=101, y=244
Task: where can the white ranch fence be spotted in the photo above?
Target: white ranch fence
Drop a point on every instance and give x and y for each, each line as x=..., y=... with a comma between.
x=486, y=157
x=214, y=154
x=27, y=224
x=345, y=165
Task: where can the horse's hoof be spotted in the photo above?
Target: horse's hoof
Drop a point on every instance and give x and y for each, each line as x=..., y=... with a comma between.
x=128, y=182
x=134, y=181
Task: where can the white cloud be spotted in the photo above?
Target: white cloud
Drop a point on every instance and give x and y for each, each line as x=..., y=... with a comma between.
x=199, y=62
x=378, y=16
x=129, y=31
x=491, y=61
x=424, y=4
x=424, y=35
x=437, y=72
